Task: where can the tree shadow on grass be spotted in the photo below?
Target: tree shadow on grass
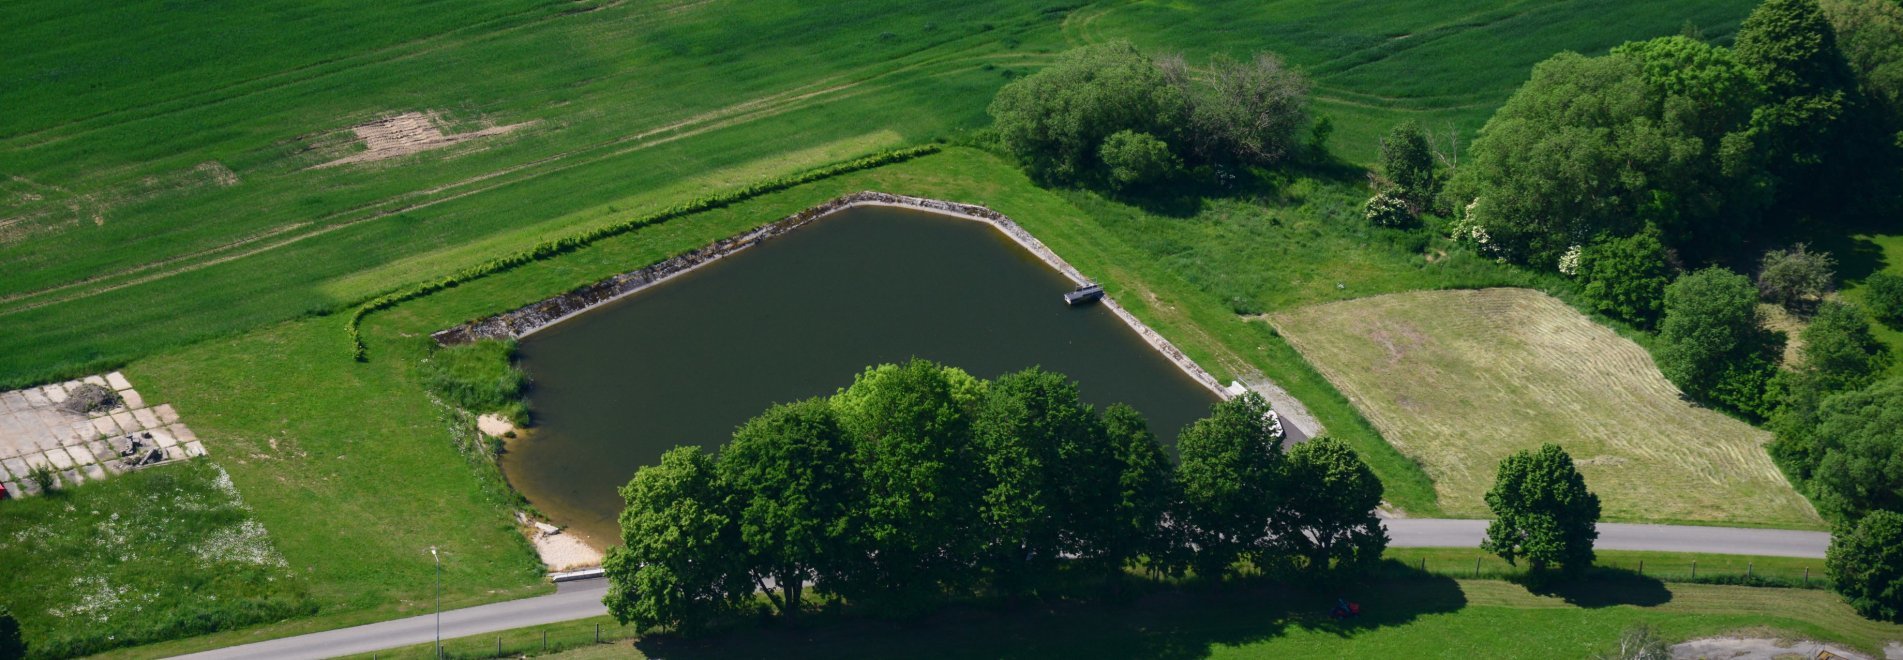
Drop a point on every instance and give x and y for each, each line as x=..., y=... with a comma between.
x=1187, y=622
x=1602, y=587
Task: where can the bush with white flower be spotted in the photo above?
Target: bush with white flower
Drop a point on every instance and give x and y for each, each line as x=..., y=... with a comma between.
x=1388, y=209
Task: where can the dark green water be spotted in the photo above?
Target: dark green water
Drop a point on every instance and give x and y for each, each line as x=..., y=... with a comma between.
x=691, y=359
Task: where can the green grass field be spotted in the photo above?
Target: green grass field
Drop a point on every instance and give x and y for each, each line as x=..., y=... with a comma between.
x=1459, y=379
x=159, y=208
x=157, y=196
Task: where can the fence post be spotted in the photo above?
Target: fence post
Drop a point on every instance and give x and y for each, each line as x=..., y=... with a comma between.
x=1641, y=568
x=1423, y=564
x=597, y=633
x=1747, y=569
x=544, y=641
x=1694, y=569
x=1476, y=567
x=498, y=646
x=1807, y=577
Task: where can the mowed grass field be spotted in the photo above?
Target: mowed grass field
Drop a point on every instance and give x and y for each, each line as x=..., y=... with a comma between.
x=156, y=160
x=1457, y=380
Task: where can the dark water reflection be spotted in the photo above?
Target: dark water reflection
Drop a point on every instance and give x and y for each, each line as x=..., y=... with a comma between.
x=796, y=317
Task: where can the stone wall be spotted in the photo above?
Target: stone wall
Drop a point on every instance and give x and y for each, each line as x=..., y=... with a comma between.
x=526, y=320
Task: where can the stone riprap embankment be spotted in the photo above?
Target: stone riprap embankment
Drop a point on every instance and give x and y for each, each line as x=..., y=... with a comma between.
x=526, y=320
x=40, y=429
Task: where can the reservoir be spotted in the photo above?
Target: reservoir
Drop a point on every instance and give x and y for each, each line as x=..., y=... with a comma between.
x=687, y=361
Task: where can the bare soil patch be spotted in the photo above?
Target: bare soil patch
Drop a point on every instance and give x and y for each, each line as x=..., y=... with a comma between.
x=409, y=133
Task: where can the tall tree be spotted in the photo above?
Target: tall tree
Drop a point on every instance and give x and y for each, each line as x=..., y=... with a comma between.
x=793, y=477
x=1408, y=162
x=1048, y=476
x=1147, y=493
x=1603, y=145
x=1840, y=354
x=1328, y=515
x=1859, y=438
x=1791, y=47
x=1232, y=478
x=1252, y=112
x=1865, y=563
x=681, y=562
x=911, y=428
x=1796, y=278
x=1542, y=510
x=1712, y=343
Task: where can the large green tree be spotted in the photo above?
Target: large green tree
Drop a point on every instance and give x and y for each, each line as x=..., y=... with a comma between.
x=1625, y=278
x=1840, y=354
x=1859, y=440
x=1796, y=278
x=1049, y=476
x=1327, y=515
x=791, y=472
x=911, y=428
x=1231, y=473
x=1056, y=120
x=1147, y=493
x=1712, y=342
x=682, y=561
x=1865, y=563
x=1791, y=48
x=1542, y=511
x=1603, y=145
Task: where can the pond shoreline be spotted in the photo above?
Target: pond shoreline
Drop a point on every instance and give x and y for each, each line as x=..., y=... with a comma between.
x=531, y=318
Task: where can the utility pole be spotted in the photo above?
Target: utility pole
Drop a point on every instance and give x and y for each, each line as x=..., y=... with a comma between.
x=439, y=601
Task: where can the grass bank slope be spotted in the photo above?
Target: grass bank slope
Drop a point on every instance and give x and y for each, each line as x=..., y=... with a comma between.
x=1456, y=380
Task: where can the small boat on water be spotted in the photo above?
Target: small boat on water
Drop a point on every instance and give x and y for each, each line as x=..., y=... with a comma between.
x=1084, y=294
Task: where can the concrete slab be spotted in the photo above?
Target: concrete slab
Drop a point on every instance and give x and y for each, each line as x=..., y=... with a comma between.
x=36, y=398
x=100, y=449
x=126, y=422
x=183, y=434
x=146, y=418
x=86, y=430
x=17, y=467
x=55, y=393
x=165, y=439
x=35, y=461
x=114, y=466
x=60, y=459
x=166, y=414
x=82, y=455
x=118, y=381
x=194, y=448
x=105, y=426
x=13, y=401
x=70, y=478
x=96, y=380
x=175, y=453
x=132, y=399
x=94, y=472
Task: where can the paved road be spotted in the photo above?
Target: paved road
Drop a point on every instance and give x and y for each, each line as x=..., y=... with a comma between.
x=1430, y=533
x=572, y=600
x=578, y=600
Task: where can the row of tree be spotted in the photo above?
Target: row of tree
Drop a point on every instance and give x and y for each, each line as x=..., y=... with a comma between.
x=1109, y=114
x=919, y=483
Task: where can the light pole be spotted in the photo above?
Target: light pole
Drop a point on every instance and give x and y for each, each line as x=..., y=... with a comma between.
x=439, y=601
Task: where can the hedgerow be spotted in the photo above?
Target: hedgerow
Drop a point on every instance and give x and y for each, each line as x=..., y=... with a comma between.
x=566, y=244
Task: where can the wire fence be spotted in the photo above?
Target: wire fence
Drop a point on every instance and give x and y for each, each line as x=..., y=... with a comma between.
x=514, y=643
x=1769, y=572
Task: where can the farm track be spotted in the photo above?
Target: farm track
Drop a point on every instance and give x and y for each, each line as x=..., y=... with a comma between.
x=751, y=110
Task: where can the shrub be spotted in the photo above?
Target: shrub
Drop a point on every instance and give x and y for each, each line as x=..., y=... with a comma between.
x=1640, y=642
x=1137, y=159
x=1625, y=278
x=1884, y=295
x=1408, y=163
x=479, y=377
x=1859, y=439
x=1865, y=563
x=1712, y=343
x=44, y=477
x=1841, y=351
x=1252, y=112
x=1388, y=209
x=1056, y=120
x=1792, y=278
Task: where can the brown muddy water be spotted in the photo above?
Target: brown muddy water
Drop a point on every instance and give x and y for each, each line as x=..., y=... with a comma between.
x=687, y=361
